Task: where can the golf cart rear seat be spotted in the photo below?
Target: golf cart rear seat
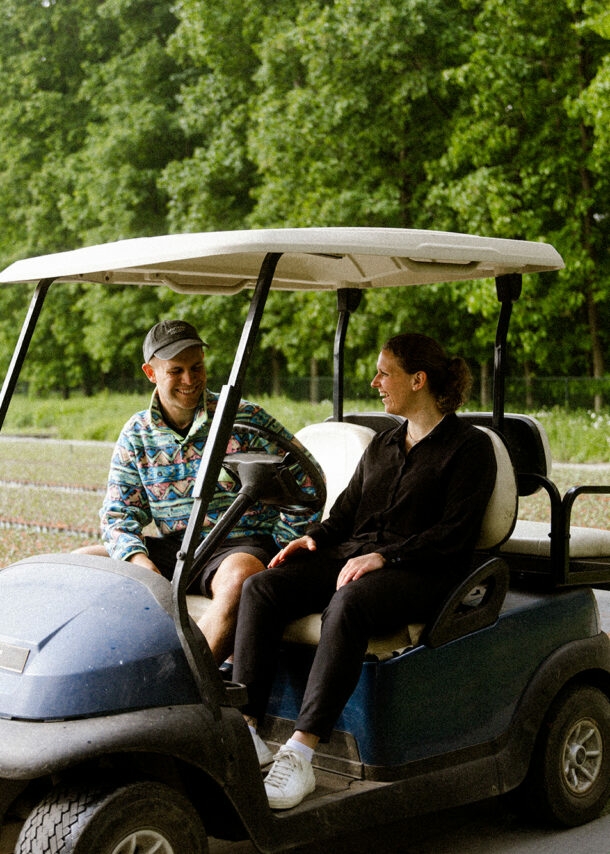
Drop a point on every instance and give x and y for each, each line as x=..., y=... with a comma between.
x=338, y=447
x=561, y=552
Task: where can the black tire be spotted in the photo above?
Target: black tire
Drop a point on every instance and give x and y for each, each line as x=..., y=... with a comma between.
x=142, y=817
x=569, y=778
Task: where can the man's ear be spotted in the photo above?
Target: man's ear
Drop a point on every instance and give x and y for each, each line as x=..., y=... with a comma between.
x=150, y=372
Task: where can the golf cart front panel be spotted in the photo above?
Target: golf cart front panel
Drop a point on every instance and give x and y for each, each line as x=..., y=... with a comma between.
x=77, y=660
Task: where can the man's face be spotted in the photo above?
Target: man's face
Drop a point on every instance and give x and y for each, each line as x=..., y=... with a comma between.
x=180, y=382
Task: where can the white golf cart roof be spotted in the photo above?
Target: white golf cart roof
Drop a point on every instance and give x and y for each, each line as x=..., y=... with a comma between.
x=312, y=259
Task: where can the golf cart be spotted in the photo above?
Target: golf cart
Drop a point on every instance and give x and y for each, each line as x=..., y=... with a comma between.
x=117, y=732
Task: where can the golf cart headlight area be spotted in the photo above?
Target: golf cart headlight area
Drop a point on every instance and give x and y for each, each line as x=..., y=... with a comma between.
x=71, y=656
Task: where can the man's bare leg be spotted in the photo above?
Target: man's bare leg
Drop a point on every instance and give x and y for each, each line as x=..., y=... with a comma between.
x=97, y=549
x=218, y=622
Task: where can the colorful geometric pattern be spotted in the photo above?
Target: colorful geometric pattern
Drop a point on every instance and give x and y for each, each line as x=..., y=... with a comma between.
x=153, y=471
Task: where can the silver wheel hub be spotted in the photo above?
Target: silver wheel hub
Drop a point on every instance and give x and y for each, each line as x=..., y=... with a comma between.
x=582, y=757
x=144, y=842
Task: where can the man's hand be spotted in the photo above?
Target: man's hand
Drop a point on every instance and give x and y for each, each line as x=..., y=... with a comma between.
x=293, y=546
x=143, y=560
x=356, y=567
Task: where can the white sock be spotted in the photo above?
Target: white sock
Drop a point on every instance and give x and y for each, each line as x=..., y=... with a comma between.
x=300, y=748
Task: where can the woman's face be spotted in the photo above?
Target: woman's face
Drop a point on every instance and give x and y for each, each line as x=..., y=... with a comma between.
x=395, y=386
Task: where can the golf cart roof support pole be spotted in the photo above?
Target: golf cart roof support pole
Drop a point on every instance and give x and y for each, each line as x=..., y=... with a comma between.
x=508, y=289
x=198, y=655
x=348, y=300
x=21, y=348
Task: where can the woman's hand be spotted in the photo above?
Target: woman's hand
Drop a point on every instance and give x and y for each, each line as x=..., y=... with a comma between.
x=291, y=548
x=356, y=567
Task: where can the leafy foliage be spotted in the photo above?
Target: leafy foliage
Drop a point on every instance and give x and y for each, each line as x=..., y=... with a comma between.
x=123, y=118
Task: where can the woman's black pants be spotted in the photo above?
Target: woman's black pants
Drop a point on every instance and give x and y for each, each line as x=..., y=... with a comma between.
x=379, y=602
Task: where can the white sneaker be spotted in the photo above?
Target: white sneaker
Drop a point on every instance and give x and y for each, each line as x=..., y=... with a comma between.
x=290, y=779
x=265, y=756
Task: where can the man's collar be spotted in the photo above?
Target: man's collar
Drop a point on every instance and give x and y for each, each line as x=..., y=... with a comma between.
x=156, y=413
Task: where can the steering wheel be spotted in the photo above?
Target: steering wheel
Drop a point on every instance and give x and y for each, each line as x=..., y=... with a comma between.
x=280, y=487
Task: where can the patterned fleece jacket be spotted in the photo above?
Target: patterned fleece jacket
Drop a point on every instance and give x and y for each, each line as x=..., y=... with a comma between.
x=153, y=471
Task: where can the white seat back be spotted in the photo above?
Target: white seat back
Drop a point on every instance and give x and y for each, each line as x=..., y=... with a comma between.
x=501, y=513
x=337, y=446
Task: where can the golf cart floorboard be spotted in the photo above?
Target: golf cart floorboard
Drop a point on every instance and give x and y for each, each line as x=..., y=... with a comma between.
x=331, y=787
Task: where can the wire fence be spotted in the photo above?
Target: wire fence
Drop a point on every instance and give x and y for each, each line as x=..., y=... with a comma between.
x=568, y=392
x=520, y=393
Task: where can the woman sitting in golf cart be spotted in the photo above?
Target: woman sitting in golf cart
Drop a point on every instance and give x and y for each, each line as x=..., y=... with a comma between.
x=398, y=539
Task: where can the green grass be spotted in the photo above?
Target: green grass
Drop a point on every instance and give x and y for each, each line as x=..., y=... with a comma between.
x=577, y=436
x=36, y=473
x=18, y=544
x=68, y=463
x=589, y=510
x=51, y=508
x=97, y=418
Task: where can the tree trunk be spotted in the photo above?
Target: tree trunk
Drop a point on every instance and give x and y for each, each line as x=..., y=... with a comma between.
x=276, y=381
x=528, y=378
x=485, y=389
x=314, y=381
x=597, y=353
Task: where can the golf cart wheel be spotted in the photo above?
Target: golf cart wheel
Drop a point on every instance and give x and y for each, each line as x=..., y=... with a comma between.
x=570, y=776
x=143, y=817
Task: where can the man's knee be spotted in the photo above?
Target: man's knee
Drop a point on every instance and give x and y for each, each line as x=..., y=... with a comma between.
x=234, y=571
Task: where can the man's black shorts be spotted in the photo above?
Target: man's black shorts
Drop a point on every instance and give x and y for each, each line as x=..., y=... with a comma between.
x=163, y=550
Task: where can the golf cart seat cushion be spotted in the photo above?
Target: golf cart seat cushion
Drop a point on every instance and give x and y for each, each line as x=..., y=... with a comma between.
x=307, y=630
x=533, y=538
x=337, y=446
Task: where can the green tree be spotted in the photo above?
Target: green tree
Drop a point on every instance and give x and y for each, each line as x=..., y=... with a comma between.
x=122, y=118
x=41, y=55
x=351, y=103
x=519, y=164
x=111, y=187
x=214, y=47
x=41, y=123
x=90, y=94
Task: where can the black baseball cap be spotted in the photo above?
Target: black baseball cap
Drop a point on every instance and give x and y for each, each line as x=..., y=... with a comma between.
x=170, y=337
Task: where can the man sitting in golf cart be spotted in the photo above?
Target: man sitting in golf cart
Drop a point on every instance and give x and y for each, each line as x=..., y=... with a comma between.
x=153, y=471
